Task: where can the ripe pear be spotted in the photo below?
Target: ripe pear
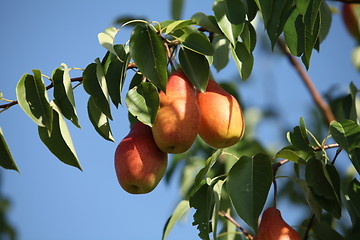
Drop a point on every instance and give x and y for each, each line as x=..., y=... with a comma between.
x=351, y=20
x=139, y=163
x=177, y=121
x=221, y=118
x=273, y=227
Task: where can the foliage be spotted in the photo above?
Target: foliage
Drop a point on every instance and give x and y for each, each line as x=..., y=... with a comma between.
x=235, y=180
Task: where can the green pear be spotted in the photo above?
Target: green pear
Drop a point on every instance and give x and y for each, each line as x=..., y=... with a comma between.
x=177, y=121
x=221, y=118
x=139, y=163
x=273, y=227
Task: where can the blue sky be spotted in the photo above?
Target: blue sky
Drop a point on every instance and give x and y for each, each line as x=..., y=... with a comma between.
x=51, y=200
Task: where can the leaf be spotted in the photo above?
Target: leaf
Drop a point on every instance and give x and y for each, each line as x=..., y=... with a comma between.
x=99, y=120
x=248, y=184
x=324, y=231
x=59, y=140
x=63, y=93
x=346, y=133
x=148, y=52
x=205, y=22
x=203, y=202
x=244, y=60
x=325, y=20
x=93, y=87
x=217, y=189
x=179, y=24
x=294, y=33
x=6, y=159
x=106, y=39
x=143, y=102
x=178, y=213
x=353, y=196
x=208, y=165
x=177, y=7
x=354, y=156
x=199, y=43
x=324, y=182
x=232, y=27
x=248, y=36
x=195, y=67
x=32, y=97
x=295, y=155
x=221, y=52
x=265, y=7
x=310, y=198
x=299, y=139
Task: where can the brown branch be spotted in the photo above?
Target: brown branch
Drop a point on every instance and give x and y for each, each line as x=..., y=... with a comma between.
x=232, y=220
x=51, y=85
x=318, y=99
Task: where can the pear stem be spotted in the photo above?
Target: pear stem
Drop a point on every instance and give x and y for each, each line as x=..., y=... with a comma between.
x=232, y=220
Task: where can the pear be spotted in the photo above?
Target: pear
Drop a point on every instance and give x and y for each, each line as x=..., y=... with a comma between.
x=273, y=227
x=221, y=118
x=177, y=121
x=350, y=19
x=139, y=163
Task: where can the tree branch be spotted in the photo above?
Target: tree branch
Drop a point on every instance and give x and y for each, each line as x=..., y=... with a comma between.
x=320, y=102
x=232, y=220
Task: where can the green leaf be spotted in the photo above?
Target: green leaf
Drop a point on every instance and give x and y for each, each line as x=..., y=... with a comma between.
x=99, y=120
x=106, y=39
x=205, y=22
x=208, y=165
x=354, y=156
x=353, y=196
x=33, y=99
x=248, y=185
x=6, y=159
x=59, y=140
x=346, y=133
x=299, y=139
x=221, y=52
x=235, y=11
x=309, y=196
x=115, y=72
x=178, y=213
x=324, y=231
x=63, y=94
x=177, y=7
x=326, y=19
x=203, y=202
x=324, y=182
x=232, y=28
x=265, y=7
x=217, y=189
x=195, y=67
x=294, y=32
x=148, y=52
x=244, y=60
x=179, y=24
x=94, y=87
x=143, y=102
x=295, y=155
x=248, y=36
x=199, y=43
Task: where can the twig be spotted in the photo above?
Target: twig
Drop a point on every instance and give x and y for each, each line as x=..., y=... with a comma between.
x=232, y=220
x=320, y=102
x=306, y=235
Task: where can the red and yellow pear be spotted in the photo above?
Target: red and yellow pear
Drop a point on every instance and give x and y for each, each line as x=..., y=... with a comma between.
x=221, y=118
x=139, y=163
x=273, y=227
x=177, y=121
x=351, y=17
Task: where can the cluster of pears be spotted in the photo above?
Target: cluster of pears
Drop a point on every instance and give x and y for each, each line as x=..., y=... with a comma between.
x=141, y=157
x=273, y=227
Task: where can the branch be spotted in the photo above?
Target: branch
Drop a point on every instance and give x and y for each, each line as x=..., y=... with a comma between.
x=232, y=220
x=320, y=102
x=51, y=85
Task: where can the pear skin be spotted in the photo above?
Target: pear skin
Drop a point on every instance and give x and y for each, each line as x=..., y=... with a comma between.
x=350, y=20
x=177, y=121
x=221, y=118
x=273, y=227
x=139, y=163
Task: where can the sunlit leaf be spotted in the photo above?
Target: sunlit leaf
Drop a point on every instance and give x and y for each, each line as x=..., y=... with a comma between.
x=248, y=184
x=33, y=99
x=148, y=52
x=177, y=7
x=6, y=159
x=178, y=25
x=221, y=52
x=295, y=155
x=199, y=43
x=205, y=22
x=244, y=60
x=294, y=32
x=346, y=133
x=59, y=141
x=106, y=39
x=63, y=94
x=99, y=120
x=195, y=67
x=143, y=102
x=178, y=213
